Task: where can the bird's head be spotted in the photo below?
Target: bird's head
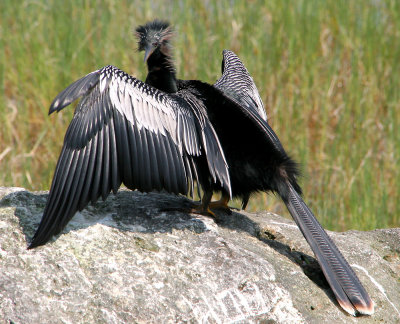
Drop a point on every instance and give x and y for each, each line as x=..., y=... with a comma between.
x=154, y=37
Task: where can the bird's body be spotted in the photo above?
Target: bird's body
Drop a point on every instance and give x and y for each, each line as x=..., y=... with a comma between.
x=256, y=158
x=168, y=134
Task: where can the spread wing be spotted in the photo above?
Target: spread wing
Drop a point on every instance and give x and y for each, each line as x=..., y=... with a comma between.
x=123, y=131
x=236, y=83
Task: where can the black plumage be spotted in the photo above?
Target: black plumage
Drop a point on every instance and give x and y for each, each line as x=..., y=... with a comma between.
x=125, y=131
x=258, y=162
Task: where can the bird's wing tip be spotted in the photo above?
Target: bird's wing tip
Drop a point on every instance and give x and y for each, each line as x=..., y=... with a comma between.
x=36, y=241
x=55, y=106
x=51, y=110
x=31, y=246
x=226, y=53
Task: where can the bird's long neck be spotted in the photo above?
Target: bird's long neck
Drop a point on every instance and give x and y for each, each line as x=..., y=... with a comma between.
x=162, y=73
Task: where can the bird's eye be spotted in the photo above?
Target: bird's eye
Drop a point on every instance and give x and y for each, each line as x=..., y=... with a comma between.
x=155, y=44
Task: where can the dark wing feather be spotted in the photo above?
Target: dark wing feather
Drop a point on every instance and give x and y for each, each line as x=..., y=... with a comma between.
x=74, y=91
x=216, y=161
x=122, y=131
x=236, y=83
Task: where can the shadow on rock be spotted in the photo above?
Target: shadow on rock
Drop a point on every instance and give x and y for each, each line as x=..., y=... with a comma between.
x=308, y=264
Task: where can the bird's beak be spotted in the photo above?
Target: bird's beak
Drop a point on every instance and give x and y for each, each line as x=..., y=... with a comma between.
x=147, y=52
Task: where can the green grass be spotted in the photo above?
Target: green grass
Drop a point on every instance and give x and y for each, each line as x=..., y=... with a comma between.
x=328, y=72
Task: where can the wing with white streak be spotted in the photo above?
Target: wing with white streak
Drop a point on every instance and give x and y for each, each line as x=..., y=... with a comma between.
x=236, y=83
x=123, y=131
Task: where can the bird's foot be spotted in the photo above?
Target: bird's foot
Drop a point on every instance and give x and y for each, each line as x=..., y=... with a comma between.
x=203, y=210
x=220, y=206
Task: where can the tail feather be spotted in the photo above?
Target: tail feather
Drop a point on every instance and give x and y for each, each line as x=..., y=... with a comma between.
x=345, y=284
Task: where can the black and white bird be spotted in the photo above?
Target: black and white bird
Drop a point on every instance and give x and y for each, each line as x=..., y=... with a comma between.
x=127, y=131
x=256, y=158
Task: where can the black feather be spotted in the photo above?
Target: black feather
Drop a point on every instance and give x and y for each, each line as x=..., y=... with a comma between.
x=123, y=131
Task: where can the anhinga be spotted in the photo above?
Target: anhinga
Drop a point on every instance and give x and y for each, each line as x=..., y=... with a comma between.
x=126, y=131
x=256, y=158
x=168, y=134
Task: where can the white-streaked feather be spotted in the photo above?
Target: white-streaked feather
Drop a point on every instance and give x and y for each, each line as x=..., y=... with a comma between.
x=237, y=83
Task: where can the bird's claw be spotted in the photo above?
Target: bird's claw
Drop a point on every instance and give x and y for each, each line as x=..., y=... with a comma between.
x=203, y=210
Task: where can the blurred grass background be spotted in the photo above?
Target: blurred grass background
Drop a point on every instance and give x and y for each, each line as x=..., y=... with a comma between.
x=328, y=72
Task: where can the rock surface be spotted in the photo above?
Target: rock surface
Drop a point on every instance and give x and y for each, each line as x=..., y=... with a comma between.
x=136, y=258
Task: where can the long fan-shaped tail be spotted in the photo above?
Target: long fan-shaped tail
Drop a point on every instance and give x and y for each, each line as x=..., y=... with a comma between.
x=345, y=284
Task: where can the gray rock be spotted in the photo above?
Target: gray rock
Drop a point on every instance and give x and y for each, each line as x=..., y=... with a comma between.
x=135, y=258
